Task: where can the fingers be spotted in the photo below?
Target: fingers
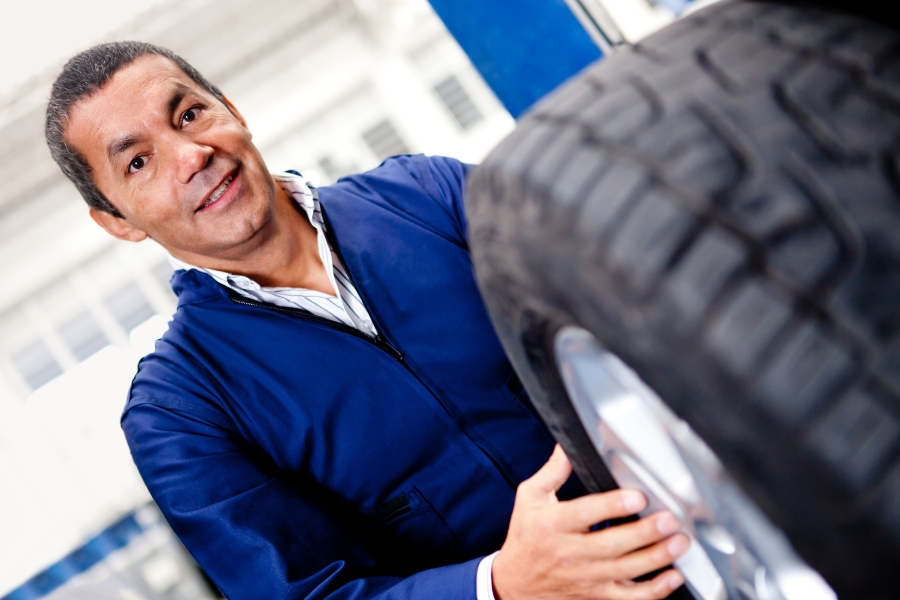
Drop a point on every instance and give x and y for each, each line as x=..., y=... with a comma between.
x=549, y=550
x=548, y=479
x=657, y=588
x=581, y=513
x=647, y=560
x=622, y=539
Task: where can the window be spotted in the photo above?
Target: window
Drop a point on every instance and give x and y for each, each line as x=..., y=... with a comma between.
x=36, y=364
x=454, y=96
x=129, y=306
x=83, y=335
x=384, y=140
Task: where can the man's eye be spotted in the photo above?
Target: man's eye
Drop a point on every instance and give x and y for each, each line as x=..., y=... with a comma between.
x=137, y=164
x=190, y=115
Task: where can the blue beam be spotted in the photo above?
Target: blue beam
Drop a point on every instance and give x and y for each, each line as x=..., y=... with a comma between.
x=118, y=535
x=522, y=48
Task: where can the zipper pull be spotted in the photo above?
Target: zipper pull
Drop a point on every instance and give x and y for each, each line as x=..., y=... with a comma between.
x=386, y=346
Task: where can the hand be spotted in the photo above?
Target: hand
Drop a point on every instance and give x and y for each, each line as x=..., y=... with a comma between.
x=550, y=551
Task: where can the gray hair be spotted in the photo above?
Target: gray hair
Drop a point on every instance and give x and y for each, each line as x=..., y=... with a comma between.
x=84, y=74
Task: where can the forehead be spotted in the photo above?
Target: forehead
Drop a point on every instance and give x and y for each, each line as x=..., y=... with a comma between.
x=137, y=91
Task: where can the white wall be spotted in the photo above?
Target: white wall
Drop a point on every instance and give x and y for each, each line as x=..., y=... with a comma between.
x=311, y=78
x=337, y=69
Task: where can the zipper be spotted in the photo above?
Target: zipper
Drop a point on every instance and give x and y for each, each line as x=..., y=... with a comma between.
x=332, y=241
x=377, y=341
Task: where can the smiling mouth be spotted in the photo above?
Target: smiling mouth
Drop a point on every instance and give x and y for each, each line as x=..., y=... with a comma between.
x=217, y=193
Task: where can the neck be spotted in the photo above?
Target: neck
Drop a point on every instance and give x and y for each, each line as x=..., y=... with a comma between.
x=287, y=255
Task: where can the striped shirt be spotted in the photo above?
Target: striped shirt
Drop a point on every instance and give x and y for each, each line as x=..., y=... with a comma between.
x=344, y=306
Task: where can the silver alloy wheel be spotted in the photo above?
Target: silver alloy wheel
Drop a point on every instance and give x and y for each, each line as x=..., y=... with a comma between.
x=740, y=554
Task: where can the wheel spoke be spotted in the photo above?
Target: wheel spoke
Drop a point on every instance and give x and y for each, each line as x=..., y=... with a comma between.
x=736, y=552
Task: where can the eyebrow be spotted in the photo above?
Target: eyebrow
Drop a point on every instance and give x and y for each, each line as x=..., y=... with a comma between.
x=179, y=92
x=121, y=145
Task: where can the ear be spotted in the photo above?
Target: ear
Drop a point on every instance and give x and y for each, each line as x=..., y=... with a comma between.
x=234, y=111
x=117, y=227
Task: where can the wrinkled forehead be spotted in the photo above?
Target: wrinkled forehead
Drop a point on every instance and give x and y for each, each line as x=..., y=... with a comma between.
x=136, y=94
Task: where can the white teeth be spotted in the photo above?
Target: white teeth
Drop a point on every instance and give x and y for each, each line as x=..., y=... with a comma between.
x=218, y=192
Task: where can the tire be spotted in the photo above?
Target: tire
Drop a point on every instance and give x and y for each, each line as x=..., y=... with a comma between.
x=718, y=206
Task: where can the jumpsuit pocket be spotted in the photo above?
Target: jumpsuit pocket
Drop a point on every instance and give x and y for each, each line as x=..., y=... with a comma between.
x=414, y=535
x=393, y=508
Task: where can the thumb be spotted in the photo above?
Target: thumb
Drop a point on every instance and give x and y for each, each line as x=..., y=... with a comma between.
x=549, y=478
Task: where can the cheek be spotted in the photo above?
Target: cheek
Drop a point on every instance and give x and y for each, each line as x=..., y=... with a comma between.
x=154, y=205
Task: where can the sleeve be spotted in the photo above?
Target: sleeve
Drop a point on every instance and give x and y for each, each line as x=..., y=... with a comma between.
x=444, y=180
x=484, y=578
x=449, y=178
x=260, y=534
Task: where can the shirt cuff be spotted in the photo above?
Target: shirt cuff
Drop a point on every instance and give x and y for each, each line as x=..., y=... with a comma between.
x=484, y=581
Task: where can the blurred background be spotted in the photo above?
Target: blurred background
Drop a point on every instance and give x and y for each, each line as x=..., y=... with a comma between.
x=328, y=87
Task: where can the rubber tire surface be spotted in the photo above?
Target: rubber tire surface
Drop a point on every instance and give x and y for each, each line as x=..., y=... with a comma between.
x=719, y=205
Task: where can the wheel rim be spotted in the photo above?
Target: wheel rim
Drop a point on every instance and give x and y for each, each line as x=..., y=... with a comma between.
x=735, y=552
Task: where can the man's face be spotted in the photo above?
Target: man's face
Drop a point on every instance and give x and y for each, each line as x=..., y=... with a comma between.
x=175, y=161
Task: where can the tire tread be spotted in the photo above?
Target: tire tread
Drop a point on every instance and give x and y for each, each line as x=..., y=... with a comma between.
x=727, y=191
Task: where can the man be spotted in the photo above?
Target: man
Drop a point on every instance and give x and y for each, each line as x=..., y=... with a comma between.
x=329, y=413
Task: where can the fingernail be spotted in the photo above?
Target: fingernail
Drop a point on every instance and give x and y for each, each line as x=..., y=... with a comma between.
x=634, y=501
x=678, y=545
x=667, y=523
x=675, y=580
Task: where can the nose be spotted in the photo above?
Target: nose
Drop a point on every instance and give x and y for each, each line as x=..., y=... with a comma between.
x=191, y=158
